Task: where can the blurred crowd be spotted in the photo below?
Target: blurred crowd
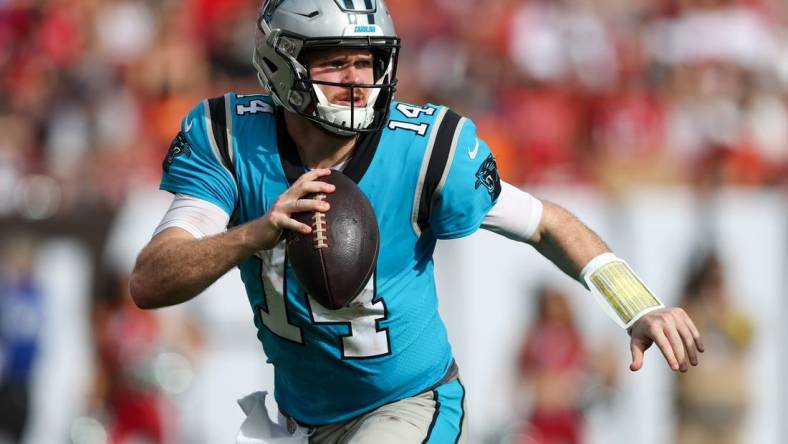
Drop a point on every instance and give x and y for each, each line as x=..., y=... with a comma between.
x=605, y=93
x=611, y=93
x=563, y=376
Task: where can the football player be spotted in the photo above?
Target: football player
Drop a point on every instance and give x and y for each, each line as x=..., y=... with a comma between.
x=380, y=370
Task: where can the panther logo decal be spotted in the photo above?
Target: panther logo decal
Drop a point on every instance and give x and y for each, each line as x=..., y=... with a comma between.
x=487, y=175
x=178, y=147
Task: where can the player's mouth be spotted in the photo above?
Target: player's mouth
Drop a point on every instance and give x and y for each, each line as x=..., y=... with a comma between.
x=359, y=100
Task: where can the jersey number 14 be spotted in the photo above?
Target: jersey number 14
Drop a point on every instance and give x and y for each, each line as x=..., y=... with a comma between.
x=362, y=317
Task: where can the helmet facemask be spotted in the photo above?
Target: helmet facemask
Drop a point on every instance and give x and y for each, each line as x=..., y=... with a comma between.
x=361, y=116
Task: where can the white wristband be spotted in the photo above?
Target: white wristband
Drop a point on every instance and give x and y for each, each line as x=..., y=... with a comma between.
x=620, y=292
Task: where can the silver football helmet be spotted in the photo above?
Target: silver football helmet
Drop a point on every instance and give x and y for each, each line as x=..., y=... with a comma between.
x=291, y=28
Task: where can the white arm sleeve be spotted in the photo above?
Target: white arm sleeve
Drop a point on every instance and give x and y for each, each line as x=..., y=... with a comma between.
x=199, y=217
x=516, y=214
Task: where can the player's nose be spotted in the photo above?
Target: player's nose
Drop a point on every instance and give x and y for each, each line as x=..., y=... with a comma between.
x=351, y=74
x=354, y=71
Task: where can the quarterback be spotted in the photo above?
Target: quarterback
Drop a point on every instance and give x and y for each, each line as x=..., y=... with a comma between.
x=381, y=369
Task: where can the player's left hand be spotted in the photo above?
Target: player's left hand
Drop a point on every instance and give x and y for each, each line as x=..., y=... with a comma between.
x=675, y=335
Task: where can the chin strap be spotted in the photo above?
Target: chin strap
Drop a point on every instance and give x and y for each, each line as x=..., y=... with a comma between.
x=342, y=115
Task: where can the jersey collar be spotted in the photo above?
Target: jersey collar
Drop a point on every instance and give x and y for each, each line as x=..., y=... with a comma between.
x=293, y=167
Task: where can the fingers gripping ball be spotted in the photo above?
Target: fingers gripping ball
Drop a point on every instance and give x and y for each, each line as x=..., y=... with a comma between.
x=335, y=261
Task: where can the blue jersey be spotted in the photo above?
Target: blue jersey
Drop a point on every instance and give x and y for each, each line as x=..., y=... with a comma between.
x=427, y=176
x=21, y=320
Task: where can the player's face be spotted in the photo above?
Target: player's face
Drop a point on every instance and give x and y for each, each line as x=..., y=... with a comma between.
x=343, y=66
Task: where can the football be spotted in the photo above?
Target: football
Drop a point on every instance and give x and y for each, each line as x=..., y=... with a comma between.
x=335, y=261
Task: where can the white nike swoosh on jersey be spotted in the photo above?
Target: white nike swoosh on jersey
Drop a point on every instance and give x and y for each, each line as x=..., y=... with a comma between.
x=472, y=153
x=188, y=125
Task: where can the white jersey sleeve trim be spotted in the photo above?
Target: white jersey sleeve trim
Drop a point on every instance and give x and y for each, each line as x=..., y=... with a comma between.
x=425, y=163
x=199, y=217
x=212, y=139
x=515, y=215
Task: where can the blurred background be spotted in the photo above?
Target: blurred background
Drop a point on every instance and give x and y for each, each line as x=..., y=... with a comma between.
x=662, y=123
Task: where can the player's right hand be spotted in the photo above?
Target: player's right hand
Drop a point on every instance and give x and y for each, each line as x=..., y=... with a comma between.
x=279, y=216
x=674, y=333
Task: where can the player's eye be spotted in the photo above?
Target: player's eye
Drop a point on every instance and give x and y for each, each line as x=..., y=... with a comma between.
x=337, y=63
x=364, y=64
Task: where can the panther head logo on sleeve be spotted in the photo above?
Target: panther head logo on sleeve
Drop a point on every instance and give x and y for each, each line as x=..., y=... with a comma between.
x=178, y=147
x=487, y=175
